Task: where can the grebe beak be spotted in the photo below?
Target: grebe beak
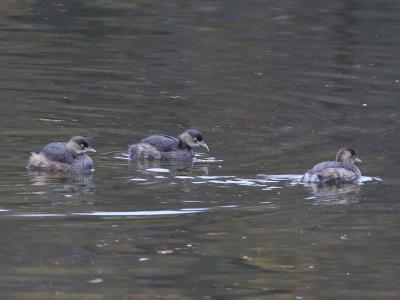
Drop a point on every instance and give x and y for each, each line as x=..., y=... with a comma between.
x=90, y=149
x=204, y=145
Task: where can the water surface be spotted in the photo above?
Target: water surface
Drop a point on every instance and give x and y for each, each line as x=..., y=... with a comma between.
x=274, y=86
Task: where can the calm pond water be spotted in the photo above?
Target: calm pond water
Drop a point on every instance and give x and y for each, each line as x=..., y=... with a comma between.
x=275, y=86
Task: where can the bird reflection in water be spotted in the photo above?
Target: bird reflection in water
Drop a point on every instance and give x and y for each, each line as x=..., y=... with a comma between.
x=171, y=167
x=328, y=194
x=71, y=183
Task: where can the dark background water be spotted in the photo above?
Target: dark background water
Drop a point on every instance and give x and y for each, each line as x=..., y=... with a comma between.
x=275, y=86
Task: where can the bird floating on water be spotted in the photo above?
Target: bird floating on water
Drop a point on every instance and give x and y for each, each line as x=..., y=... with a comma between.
x=342, y=169
x=162, y=146
x=63, y=156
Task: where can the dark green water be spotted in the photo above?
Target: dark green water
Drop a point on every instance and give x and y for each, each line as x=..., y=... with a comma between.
x=275, y=86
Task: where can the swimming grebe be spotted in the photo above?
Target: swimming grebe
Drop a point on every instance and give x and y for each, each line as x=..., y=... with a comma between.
x=168, y=147
x=63, y=156
x=341, y=170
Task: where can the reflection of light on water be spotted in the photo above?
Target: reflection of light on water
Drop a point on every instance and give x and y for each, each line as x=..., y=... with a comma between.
x=236, y=181
x=31, y=193
x=152, y=213
x=295, y=178
x=116, y=213
x=158, y=170
x=321, y=194
x=270, y=188
x=207, y=160
x=39, y=215
x=229, y=206
x=192, y=201
x=266, y=182
x=201, y=157
x=214, y=177
x=149, y=213
x=364, y=179
x=138, y=179
x=282, y=177
x=142, y=213
x=123, y=156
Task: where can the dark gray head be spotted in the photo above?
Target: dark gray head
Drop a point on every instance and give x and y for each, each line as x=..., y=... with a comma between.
x=347, y=155
x=79, y=145
x=193, y=138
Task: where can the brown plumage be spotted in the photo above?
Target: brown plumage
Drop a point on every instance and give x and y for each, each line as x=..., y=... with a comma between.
x=341, y=170
x=63, y=156
x=168, y=147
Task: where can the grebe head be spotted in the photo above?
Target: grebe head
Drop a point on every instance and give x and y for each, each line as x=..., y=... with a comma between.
x=347, y=156
x=79, y=145
x=193, y=138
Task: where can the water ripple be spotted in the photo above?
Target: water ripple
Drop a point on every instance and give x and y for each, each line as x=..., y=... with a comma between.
x=142, y=213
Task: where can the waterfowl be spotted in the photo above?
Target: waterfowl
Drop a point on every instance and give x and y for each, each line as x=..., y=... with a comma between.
x=162, y=146
x=63, y=156
x=342, y=169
